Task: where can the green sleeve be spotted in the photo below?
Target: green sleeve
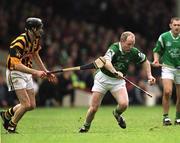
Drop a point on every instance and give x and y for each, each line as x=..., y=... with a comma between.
x=139, y=57
x=159, y=46
x=114, y=48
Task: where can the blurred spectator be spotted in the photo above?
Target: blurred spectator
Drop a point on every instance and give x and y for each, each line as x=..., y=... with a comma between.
x=130, y=88
x=6, y=98
x=65, y=87
x=155, y=90
x=3, y=92
x=47, y=93
x=156, y=93
x=140, y=96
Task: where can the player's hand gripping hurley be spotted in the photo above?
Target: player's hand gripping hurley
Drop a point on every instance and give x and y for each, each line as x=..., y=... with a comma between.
x=122, y=77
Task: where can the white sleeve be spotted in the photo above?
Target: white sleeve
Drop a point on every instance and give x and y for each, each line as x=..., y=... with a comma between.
x=161, y=41
x=142, y=57
x=109, y=55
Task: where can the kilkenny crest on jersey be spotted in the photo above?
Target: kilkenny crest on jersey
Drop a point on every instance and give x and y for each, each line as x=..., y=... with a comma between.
x=18, y=54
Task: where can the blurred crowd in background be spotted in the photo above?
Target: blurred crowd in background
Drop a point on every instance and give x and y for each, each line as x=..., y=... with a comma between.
x=78, y=31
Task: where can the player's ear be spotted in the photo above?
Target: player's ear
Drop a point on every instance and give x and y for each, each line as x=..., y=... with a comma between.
x=170, y=25
x=33, y=29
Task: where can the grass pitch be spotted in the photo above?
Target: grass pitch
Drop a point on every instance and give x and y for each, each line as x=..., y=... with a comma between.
x=61, y=125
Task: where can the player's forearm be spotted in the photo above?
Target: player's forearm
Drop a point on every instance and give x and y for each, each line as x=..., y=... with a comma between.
x=39, y=62
x=23, y=68
x=109, y=66
x=156, y=57
x=147, y=67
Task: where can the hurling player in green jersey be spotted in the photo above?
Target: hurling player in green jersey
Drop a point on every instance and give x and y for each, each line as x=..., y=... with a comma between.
x=167, y=50
x=118, y=57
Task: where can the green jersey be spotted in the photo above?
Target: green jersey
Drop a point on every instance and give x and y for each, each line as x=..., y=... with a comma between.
x=121, y=60
x=168, y=47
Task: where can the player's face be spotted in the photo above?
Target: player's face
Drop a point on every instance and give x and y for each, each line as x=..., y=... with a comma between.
x=128, y=44
x=38, y=32
x=175, y=27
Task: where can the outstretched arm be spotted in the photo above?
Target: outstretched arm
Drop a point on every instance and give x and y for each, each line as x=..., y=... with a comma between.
x=22, y=68
x=39, y=62
x=156, y=59
x=109, y=66
x=51, y=77
x=147, y=67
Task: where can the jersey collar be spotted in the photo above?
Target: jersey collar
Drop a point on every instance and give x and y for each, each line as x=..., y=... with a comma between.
x=173, y=36
x=120, y=48
x=28, y=38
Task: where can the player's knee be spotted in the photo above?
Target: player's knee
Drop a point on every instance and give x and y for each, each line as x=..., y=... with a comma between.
x=94, y=109
x=26, y=106
x=167, y=92
x=32, y=107
x=124, y=105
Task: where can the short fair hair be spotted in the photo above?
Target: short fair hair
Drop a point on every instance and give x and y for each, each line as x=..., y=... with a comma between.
x=125, y=35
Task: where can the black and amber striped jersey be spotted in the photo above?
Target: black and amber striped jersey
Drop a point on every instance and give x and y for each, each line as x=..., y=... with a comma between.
x=21, y=51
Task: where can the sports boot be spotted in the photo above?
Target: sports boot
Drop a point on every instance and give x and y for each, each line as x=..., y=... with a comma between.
x=5, y=121
x=167, y=121
x=84, y=129
x=120, y=120
x=177, y=122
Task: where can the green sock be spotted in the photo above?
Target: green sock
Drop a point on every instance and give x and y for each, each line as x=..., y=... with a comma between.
x=87, y=124
x=117, y=110
x=177, y=115
x=165, y=116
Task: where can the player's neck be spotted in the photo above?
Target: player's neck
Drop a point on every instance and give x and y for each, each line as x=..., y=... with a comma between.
x=32, y=38
x=175, y=35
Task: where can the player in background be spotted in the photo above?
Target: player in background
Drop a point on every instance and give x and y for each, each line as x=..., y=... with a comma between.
x=167, y=50
x=118, y=57
x=19, y=72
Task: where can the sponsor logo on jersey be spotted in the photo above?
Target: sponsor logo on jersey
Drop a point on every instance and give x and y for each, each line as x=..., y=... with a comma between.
x=168, y=44
x=174, y=53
